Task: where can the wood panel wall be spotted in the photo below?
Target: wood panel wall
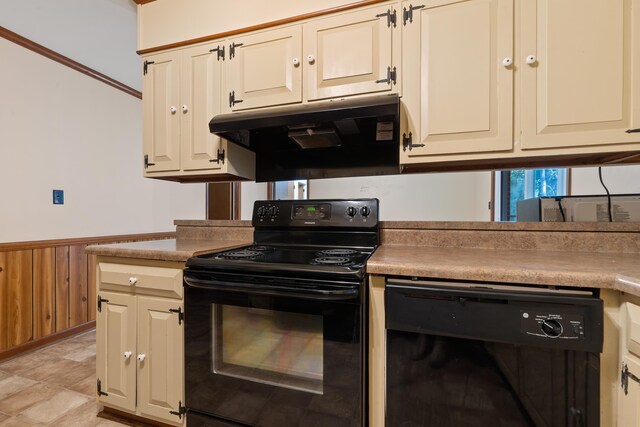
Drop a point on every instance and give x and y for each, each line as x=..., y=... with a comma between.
x=47, y=290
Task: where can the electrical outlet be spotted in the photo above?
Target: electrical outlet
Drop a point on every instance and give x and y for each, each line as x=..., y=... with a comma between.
x=58, y=197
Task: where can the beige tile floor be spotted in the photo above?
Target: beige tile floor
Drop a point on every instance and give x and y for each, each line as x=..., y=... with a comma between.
x=52, y=386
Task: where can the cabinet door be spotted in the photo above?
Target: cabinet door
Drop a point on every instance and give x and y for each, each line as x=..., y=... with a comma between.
x=351, y=54
x=629, y=403
x=580, y=63
x=116, y=349
x=265, y=69
x=201, y=100
x=161, y=373
x=458, y=94
x=161, y=112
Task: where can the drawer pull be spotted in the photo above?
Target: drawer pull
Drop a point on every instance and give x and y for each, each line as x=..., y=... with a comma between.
x=133, y=280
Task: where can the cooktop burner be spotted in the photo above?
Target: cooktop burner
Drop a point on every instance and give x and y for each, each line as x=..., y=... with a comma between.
x=241, y=254
x=331, y=260
x=338, y=252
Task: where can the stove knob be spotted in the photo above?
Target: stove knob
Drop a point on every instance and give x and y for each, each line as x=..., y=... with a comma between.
x=261, y=211
x=365, y=211
x=352, y=211
x=551, y=328
x=274, y=211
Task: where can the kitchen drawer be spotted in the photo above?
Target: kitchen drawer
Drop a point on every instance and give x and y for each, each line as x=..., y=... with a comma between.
x=141, y=279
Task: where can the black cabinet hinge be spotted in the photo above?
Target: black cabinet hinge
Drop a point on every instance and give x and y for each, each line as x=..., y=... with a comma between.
x=100, y=301
x=633, y=130
x=145, y=67
x=219, y=51
x=181, y=410
x=146, y=161
x=100, y=392
x=407, y=14
x=625, y=374
x=180, y=314
x=220, y=158
x=232, y=99
x=232, y=49
x=391, y=17
x=391, y=76
x=407, y=142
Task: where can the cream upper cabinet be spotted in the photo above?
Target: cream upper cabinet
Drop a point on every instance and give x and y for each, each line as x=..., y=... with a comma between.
x=161, y=342
x=201, y=92
x=160, y=105
x=580, y=72
x=350, y=53
x=181, y=94
x=115, y=350
x=458, y=73
x=264, y=69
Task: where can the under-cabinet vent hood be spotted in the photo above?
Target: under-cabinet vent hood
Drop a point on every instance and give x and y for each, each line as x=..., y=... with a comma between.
x=352, y=137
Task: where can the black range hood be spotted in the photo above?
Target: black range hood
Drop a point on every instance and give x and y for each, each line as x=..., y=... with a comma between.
x=351, y=137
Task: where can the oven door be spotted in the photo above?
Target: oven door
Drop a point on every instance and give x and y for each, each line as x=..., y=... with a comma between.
x=269, y=355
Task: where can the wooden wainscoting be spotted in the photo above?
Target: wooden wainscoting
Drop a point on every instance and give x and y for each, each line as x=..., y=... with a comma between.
x=48, y=289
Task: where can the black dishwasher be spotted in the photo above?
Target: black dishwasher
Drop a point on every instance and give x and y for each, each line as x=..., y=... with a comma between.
x=465, y=354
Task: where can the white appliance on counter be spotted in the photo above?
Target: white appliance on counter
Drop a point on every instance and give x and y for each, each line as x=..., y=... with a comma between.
x=624, y=208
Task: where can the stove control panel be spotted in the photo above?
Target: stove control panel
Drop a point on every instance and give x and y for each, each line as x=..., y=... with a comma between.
x=354, y=213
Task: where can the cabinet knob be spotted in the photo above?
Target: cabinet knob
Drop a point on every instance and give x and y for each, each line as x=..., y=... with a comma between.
x=311, y=58
x=141, y=357
x=126, y=354
x=185, y=109
x=531, y=59
x=173, y=109
x=506, y=62
x=296, y=62
x=133, y=280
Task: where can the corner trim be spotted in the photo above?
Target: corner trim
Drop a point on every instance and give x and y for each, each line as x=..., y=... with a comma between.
x=55, y=56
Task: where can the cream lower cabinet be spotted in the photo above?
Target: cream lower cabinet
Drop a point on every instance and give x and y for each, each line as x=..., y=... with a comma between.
x=629, y=370
x=181, y=94
x=140, y=340
x=345, y=54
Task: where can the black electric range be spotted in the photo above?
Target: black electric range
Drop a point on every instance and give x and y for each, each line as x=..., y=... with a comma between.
x=275, y=332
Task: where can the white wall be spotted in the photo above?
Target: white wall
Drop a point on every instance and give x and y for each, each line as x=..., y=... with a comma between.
x=249, y=193
x=60, y=129
x=461, y=196
x=618, y=179
x=100, y=34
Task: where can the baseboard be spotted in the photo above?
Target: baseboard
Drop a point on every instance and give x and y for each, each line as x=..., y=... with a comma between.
x=41, y=342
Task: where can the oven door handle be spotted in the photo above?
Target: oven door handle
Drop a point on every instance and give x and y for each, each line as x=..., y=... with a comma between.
x=280, y=291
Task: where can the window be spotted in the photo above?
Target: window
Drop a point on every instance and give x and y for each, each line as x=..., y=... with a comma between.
x=514, y=185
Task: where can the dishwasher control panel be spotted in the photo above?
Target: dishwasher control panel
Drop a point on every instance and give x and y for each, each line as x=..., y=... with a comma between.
x=552, y=325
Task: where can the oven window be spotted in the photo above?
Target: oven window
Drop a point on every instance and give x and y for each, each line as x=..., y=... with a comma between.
x=272, y=347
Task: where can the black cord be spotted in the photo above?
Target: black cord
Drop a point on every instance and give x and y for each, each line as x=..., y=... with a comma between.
x=608, y=194
x=559, y=200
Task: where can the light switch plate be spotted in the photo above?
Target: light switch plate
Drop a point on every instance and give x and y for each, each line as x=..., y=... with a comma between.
x=58, y=197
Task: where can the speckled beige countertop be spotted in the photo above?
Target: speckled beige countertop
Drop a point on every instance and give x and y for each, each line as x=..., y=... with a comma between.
x=164, y=250
x=620, y=271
